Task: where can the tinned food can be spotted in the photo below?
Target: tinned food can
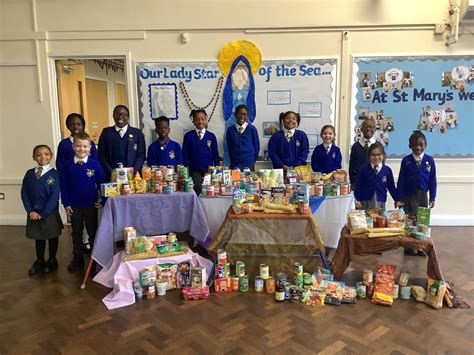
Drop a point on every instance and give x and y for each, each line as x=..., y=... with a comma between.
x=259, y=282
x=367, y=276
x=264, y=271
x=244, y=283
x=240, y=268
x=395, y=291
x=234, y=282
x=270, y=285
x=295, y=294
x=361, y=290
x=405, y=292
x=281, y=279
x=404, y=277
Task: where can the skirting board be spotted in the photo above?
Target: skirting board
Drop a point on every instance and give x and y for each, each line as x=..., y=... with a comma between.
x=436, y=220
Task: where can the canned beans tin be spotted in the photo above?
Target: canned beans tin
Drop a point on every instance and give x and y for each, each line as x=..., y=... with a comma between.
x=264, y=271
x=367, y=277
x=270, y=285
x=259, y=282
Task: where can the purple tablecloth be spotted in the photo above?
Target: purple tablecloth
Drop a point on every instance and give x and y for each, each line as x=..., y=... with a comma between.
x=150, y=214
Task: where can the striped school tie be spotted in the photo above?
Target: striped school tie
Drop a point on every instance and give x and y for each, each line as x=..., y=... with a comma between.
x=288, y=136
x=327, y=149
x=39, y=171
x=241, y=129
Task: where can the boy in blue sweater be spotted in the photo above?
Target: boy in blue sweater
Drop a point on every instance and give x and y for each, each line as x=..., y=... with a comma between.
x=80, y=193
x=242, y=141
x=327, y=156
x=417, y=176
x=199, y=149
x=373, y=180
x=289, y=147
x=359, y=149
x=164, y=151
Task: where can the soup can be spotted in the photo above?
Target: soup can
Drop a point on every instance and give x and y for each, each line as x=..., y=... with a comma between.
x=344, y=189
x=270, y=285
x=361, y=290
x=234, y=282
x=395, y=291
x=318, y=190
x=367, y=276
x=404, y=277
x=264, y=271
x=221, y=256
x=244, y=283
x=240, y=268
x=161, y=287
x=259, y=282
x=138, y=289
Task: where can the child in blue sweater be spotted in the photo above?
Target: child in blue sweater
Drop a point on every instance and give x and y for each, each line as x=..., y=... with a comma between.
x=327, y=156
x=75, y=123
x=164, y=151
x=289, y=147
x=417, y=177
x=40, y=197
x=373, y=180
x=359, y=149
x=242, y=141
x=80, y=193
x=199, y=149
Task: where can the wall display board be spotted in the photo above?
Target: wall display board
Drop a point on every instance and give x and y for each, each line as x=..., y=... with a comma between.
x=172, y=89
x=431, y=94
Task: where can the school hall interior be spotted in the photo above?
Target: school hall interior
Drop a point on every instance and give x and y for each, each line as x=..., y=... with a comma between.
x=43, y=43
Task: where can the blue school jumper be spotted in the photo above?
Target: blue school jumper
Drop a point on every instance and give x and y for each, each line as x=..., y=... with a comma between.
x=293, y=153
x=326, y=162
x=198, y=154
x=243, y=147
x=412, y=177
x=359, y=156
x=66, y=152
x=166, y=154
x=80, y=184
x=42, y=196
x=368, y=183
x=128, y=150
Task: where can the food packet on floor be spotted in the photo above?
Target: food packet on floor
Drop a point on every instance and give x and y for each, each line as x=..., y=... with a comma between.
x=333, y=292
x=167, y=272
x=418, y=293
x=384, y=281
x=316, y=296
x=435, y=291
x=349, y=294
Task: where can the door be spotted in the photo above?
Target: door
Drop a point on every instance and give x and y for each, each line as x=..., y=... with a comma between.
x=121, y=94
x=71, y=91
x=97, y=107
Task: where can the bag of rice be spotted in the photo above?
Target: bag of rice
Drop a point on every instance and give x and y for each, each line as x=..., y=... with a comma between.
x=357, y=222
x=418, y=293
x=435, y=291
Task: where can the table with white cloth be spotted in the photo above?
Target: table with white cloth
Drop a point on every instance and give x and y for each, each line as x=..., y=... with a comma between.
x=121, y=274
x=149, y=214
x=331, y=215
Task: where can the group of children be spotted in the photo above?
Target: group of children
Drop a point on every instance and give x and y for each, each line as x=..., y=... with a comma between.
x=81, y=168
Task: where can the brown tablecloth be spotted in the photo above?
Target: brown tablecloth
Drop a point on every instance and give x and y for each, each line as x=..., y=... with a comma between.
x=278, y=240
x=351, y=245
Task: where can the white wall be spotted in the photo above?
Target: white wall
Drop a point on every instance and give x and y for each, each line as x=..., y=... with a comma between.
x=34, y=33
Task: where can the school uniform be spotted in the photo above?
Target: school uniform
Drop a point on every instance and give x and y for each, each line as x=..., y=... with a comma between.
x=199, y=152
x=66, y=152
x=124, y=145
x=288, y=147
x=417, y=176
x=243, y=145
x=166, y=153
x=359, y=156
x=372, y=183
x=41, y=194
x=326, y=158
x=81, y=190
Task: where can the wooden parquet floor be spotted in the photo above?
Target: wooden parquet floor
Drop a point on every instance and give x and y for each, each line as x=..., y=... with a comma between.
x=49, y=314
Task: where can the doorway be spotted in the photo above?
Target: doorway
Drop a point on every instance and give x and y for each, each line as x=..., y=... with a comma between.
x=91, y=87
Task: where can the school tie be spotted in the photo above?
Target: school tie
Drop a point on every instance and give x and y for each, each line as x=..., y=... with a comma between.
x=376, y=169
x=120, y=132
x=327, y=149
x=418, y=162
x=39, y=172
x=80, y=162
x=200, y=135
x=366, y=146
x=288, y=136
x=241, y=129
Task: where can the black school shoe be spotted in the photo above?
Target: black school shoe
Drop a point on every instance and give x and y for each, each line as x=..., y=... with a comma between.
x=51, y=266
x=37, y=267
x=75, y=265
